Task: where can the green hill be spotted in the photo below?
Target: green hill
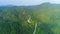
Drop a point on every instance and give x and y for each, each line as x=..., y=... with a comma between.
x=39, y=19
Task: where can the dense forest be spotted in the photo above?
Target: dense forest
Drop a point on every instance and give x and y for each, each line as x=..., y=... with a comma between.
x=39, y=19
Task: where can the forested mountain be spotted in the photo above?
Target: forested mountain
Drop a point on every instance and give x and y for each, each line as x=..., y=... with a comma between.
x=39, y=19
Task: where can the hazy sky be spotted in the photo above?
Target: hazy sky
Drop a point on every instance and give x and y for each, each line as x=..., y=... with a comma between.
x=26, y=2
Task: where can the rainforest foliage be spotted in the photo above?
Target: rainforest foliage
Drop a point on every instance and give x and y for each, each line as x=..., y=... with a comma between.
x=22, y=19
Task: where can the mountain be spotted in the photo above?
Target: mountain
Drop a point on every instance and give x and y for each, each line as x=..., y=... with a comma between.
x=38, y=19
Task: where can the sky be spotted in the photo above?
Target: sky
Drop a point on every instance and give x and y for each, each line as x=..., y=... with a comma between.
x=26, y=2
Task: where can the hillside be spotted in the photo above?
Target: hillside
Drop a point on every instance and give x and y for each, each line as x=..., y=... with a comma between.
x=39, y=19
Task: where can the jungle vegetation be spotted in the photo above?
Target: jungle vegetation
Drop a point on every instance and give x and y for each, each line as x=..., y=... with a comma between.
x=39, y=19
